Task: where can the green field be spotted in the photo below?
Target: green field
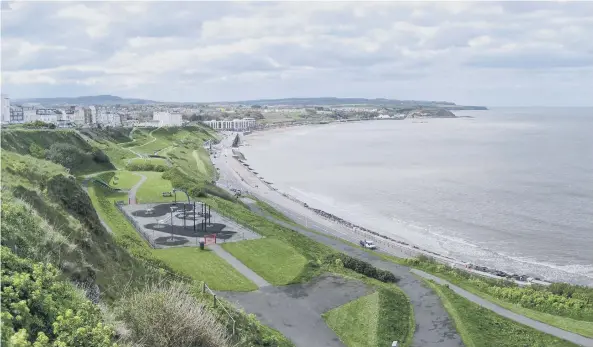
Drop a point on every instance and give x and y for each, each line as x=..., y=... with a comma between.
x=274, y=260
x=120, y=179
x=374, y=320
x=153, y=161
x=152, y=189
x=205, y=265
x=479, y=327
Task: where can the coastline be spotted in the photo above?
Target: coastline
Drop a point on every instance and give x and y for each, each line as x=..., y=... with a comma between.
x=256, y=185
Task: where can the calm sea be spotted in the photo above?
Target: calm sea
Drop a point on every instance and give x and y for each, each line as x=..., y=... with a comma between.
x=509, y=188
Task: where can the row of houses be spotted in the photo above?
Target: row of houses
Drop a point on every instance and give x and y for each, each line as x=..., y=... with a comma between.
x=235, y=124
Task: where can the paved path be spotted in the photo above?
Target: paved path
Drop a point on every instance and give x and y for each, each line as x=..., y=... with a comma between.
x=563, y=334
x=239, y=266
x=295, y=310
x=433, y=325
x=134, y=189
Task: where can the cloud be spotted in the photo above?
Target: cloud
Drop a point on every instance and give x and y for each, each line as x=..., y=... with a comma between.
x=204, y=51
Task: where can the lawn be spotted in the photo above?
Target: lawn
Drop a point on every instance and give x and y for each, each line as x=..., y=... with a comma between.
x=481, y=327
x=120, y=179
x=152, y=189
x=153, y=161
x=356, y=322
x=272, y=259
x=374, y=320
x=205, y=265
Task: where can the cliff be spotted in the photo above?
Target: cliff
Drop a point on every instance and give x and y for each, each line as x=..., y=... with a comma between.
x=431, y=113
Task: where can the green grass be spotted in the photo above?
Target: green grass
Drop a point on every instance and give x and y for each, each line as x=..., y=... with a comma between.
x=272, y=259
x=120, y=179
x=313, y=251
x=356, y=322
x=205, y=265
x=374, y=320
x=152, y=189
x=584, y=328
x=154, y=161
x=479, y=327
x=203, y=164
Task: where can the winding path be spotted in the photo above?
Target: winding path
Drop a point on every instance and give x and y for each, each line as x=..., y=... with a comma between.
x=134, y=189
x=433, y=325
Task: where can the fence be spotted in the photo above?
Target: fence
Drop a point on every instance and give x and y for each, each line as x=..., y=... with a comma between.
x=207, y=289
x=139, y=229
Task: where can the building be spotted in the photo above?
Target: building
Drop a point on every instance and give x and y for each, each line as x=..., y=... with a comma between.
x=17, y=114
x=48, y=115
x=235, y=124
x=5, y=109
x=167, y=119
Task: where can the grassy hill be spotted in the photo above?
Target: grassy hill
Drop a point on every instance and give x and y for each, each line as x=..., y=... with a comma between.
x=50, y=223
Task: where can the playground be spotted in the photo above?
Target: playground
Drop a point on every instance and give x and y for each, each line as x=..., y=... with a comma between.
x=183, y=224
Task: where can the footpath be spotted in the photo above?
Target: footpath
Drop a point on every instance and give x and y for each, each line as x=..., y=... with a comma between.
x=432, y=320
x=434, y=327
x=239, y=266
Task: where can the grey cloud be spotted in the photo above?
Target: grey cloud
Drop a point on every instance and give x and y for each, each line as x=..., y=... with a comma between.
x=532, y=60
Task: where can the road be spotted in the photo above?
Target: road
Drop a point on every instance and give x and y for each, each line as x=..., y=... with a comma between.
x=234, y=175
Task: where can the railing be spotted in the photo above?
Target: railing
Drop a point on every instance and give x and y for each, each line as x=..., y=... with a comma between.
x=139, y=229
x=205, y=289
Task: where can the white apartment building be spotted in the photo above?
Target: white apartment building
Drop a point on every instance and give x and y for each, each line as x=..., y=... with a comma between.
x=5, y=109
x=108, y=118
x=235, y=124
x=47, y=115
x=167, y=119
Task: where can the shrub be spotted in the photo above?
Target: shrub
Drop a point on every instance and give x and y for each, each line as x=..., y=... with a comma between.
x=36, y=151
x=39, y=308
x=146, y=167
x=67, y=155
x=362, y=267
x=169, y=316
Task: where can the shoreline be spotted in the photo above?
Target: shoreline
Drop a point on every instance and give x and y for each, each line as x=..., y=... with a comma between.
x=391, y=245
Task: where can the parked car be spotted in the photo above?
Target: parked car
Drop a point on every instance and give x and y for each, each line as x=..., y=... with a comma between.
x=368, y=244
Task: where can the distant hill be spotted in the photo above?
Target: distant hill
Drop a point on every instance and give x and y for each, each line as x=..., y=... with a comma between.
x=87, y=100
x=333, y=101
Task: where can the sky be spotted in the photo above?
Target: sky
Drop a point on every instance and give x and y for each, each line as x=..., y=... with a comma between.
x=472, y=53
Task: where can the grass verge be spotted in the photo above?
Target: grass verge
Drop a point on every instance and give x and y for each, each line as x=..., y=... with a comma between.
x=274, y=260
x=205, y=265
x=374, y=320
x=152, y=189
x=356, y=323
x=120, y=179
x=479, y=327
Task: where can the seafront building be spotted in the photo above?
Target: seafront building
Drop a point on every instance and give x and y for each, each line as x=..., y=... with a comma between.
x=235, y=124
x=167, y=119
x=5, y=109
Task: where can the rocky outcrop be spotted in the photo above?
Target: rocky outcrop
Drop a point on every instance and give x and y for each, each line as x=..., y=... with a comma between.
x=431, y=113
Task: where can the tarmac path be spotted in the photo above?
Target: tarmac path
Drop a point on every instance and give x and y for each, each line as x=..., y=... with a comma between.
x=239, y=266
x=134, y=189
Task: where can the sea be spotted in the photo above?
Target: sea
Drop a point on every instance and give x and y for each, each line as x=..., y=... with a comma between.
x=506, y=188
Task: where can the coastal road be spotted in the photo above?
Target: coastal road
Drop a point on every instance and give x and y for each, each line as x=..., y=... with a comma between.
x=234, y=175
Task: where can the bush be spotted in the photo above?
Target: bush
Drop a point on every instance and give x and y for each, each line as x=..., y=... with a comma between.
x=169, y=316
x=36, y=151
x=146, y=167
x=39, y=308
x=362, y=267
x=67, y=155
